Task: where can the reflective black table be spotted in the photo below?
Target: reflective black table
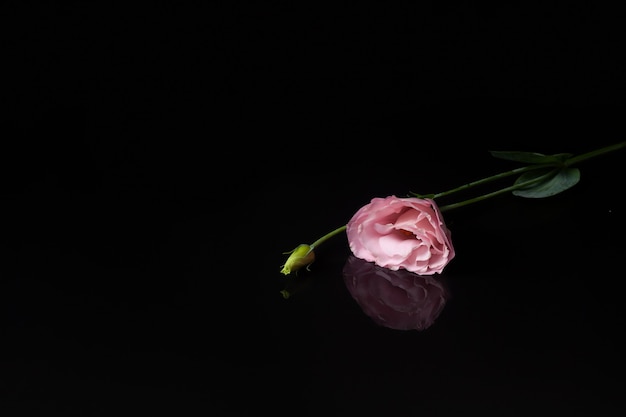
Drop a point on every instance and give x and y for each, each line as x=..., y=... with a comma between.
x=160, y=162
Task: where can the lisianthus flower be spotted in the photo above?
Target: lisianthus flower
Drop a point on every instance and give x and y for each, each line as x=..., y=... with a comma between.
x=410, y=233
x=407, y=233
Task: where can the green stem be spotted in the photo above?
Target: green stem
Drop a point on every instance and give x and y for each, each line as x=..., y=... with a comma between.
x=569, y=162
x=595, y=153
x=492, y=194
x=327, y=236
x=490, y=179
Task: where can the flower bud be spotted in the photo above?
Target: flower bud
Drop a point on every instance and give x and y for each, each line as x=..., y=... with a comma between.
x=301, y=256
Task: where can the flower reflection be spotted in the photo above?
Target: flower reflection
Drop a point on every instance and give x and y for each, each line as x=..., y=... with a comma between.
x=400, y=300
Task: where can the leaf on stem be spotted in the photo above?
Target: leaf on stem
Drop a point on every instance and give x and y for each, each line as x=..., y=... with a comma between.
x=562, y=180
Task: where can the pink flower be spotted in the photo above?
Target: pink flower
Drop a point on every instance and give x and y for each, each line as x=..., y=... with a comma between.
x=406, y=233
x=398, y=300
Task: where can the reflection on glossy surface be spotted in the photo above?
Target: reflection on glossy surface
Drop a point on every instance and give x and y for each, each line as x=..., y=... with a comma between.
x=400, y=300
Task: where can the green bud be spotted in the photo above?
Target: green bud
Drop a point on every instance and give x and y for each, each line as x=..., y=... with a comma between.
x=301, y=256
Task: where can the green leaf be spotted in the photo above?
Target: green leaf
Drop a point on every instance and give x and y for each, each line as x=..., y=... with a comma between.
x=562, y=157
x=531, y=157
x=562, y=180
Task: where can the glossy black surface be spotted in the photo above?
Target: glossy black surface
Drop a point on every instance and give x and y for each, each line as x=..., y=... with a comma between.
x=158, y=161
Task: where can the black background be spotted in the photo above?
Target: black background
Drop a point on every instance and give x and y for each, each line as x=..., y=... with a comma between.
x=157, y=160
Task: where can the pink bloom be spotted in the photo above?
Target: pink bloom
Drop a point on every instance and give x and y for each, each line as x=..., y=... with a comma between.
x=406, y=233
